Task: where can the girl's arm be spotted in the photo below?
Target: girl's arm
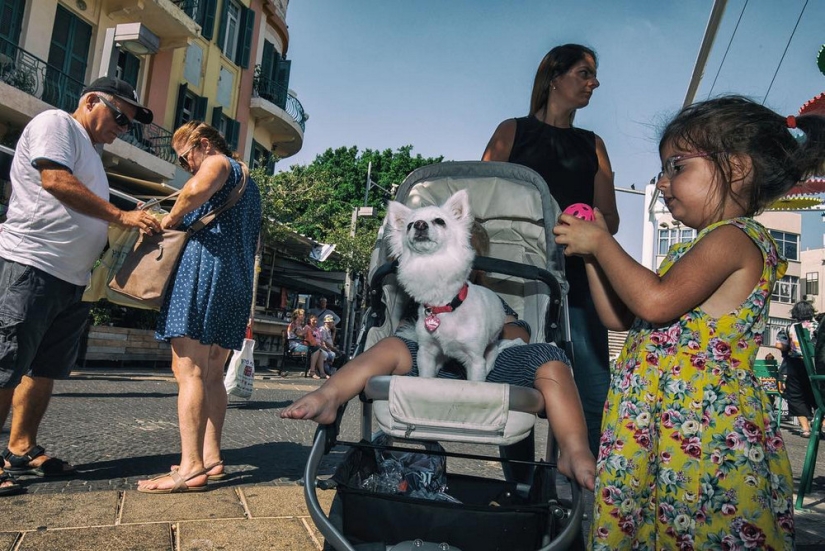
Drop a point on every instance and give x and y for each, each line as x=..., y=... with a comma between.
x=211, y=176
x=718, y=273
x=501, y=143
x=613, y=313
x=604, y=195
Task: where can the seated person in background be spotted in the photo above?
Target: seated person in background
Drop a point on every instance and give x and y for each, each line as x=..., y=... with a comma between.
x=327, y=334
x=540, y=365
x=295, y=332
x=322, y=312
x=312, y=337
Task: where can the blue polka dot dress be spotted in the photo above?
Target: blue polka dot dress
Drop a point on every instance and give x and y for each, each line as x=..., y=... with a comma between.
x=210, y=296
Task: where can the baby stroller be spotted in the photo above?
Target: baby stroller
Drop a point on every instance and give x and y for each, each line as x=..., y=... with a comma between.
x=525, y=268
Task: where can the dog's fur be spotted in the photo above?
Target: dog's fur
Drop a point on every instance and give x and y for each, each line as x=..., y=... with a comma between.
x=435, y=258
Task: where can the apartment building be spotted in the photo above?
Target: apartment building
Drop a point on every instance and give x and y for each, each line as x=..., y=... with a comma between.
x=222, y=61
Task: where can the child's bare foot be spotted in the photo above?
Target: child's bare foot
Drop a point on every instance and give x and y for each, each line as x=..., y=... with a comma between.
x=579, y=464
x=318, y=406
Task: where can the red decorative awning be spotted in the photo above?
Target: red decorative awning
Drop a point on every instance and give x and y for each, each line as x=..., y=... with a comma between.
x=812, y=186
x=814, y=106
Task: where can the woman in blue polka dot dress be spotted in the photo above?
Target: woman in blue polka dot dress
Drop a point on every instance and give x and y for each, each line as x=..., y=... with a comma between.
x=207, y=305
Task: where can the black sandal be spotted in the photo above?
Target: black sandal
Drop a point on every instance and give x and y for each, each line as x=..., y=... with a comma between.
x=21, y=464
x=9, y=489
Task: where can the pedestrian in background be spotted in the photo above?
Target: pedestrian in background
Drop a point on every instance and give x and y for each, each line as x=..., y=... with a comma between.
x=55, y=229
x=206, y=309
x=798, y=391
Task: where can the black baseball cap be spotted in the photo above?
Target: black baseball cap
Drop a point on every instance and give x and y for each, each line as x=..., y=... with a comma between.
x=124, y=91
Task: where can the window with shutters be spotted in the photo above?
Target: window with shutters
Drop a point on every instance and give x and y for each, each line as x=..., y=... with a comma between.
x=235, y=32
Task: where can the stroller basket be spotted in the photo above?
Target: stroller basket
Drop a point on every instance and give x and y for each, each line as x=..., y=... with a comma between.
x=493, y=515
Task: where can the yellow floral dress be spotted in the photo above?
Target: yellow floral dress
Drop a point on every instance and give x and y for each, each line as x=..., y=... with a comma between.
x=689, y=458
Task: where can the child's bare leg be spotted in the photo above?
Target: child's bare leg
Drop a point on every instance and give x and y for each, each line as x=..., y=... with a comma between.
x=389, y=356
x=564, y=413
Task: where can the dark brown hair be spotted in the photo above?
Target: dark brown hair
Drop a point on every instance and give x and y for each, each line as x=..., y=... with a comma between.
x=556, y=62
x=731, y=126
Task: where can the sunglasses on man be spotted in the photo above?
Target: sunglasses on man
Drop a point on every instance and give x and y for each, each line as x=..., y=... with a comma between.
x=120, y=117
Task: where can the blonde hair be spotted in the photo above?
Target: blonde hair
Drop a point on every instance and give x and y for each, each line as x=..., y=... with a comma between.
x=193, y=131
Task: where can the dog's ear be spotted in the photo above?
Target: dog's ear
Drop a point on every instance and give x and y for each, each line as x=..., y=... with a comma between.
x=459, y=205
x=397, y=215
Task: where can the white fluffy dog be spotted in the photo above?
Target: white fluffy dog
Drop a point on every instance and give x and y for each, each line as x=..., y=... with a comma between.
x=456, y=319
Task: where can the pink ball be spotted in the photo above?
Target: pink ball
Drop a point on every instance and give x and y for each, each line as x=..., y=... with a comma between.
x=581, y=211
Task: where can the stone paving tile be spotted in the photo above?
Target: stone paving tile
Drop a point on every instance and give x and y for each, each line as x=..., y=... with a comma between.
x=222, y=503
x=280, y=534
x=143, y=537
x=7, y=540
x=282, y=501
x=31, y=512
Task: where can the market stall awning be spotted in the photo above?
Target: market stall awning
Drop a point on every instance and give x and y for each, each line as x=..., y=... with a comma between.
x=796, y=202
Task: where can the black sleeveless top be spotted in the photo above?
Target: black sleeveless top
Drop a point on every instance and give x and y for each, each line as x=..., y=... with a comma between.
x=566, y=158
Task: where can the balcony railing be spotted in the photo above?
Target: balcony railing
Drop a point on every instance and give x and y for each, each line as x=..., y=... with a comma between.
x=37, y=78
x=280, y=96
x=152, y=139
x=189, y=7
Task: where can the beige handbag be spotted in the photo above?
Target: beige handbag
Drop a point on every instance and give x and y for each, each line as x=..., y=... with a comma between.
x=147, y=269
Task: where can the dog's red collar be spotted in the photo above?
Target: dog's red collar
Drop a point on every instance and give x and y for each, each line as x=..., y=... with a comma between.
x=431, y=322
x=455, y=303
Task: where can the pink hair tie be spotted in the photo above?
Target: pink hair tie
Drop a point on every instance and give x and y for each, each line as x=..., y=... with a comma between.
x=791, y=121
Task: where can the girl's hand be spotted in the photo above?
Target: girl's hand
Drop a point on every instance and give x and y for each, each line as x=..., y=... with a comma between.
x=580, y=237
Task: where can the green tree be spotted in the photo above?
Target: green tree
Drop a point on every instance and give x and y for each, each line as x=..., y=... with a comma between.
x=318, y=199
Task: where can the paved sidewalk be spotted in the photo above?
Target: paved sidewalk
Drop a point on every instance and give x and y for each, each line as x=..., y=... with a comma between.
x=119, y=426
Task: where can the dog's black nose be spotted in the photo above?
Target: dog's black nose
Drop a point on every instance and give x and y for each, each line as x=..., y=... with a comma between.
x=420, y=225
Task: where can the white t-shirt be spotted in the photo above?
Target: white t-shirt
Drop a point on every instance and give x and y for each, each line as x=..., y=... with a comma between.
x=39, y=230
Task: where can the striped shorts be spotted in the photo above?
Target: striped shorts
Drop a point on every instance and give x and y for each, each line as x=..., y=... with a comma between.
x=515, y=365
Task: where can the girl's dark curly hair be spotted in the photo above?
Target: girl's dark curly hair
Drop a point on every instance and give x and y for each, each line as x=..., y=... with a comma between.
x=732, y=126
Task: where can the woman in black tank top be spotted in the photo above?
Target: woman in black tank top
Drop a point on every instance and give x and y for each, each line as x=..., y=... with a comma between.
x=576, y=168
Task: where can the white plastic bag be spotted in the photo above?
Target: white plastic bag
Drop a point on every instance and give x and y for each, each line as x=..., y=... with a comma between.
x=241, y=372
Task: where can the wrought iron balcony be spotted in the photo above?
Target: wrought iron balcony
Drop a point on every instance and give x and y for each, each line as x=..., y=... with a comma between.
x=189, y=7
x=37, y=78
x=280, y=96
x=152, y=139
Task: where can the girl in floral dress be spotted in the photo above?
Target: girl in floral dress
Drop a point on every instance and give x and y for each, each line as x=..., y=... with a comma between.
x=689, y=457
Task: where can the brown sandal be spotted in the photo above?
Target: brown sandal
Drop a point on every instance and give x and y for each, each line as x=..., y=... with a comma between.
x=180, y=484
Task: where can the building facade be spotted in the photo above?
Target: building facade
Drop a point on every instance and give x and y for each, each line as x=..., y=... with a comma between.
x=221, y=61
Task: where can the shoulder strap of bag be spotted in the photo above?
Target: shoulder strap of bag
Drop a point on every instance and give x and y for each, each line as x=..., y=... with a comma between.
x=233, y=198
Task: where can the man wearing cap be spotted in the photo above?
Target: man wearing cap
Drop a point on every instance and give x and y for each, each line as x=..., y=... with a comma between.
x=322, y=311
x=55, y=230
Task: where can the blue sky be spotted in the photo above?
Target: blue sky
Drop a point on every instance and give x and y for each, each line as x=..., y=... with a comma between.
x=441, y=75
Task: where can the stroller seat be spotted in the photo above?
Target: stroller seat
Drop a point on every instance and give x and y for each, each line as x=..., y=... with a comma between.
x=453, y=410
x=514, y=205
